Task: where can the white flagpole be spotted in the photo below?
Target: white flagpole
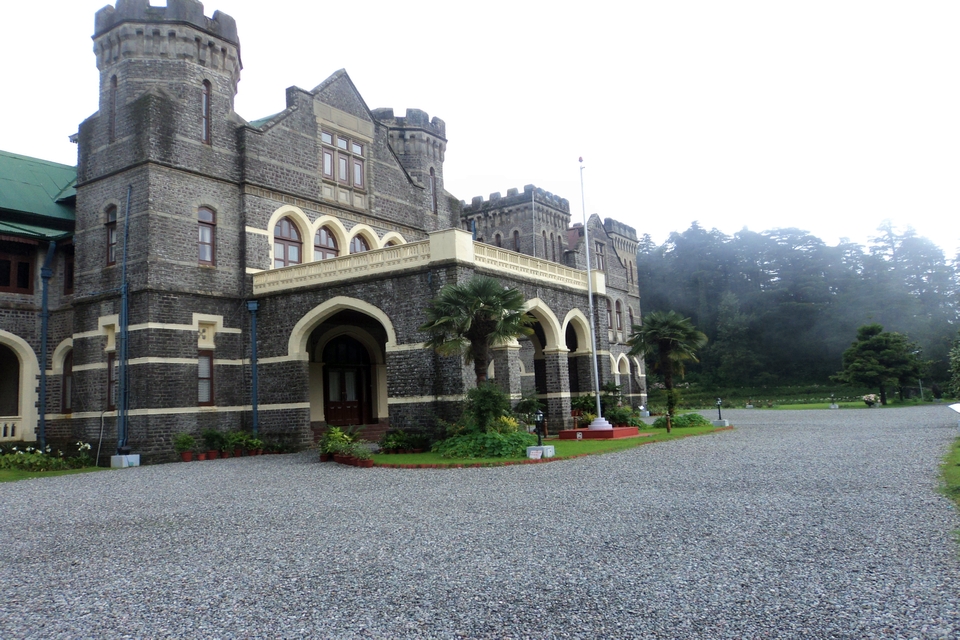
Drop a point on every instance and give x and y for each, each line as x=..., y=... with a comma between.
x=599, y=422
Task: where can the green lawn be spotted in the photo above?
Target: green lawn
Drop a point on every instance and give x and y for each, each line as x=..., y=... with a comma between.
x=563, y=448
x=818, y=405
x=12, y=475
x=950, y=473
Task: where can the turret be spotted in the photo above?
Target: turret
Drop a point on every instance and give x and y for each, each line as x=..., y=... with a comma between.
x=420, y=143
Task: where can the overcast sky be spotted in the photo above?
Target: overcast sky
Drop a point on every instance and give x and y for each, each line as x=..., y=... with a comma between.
x=830, y=116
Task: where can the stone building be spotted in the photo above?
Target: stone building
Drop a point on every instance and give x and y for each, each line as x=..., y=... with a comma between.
x=317, y=235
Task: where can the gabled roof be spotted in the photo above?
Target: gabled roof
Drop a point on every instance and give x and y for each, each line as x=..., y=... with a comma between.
x=37, y=187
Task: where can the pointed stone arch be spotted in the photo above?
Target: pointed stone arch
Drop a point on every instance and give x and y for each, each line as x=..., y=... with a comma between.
x=27, y=394
x=300, y=335
x=392, y=236
x=367, y=233
x=548, y=320
x=300, y=220
x=581, y=326
x=336, y=228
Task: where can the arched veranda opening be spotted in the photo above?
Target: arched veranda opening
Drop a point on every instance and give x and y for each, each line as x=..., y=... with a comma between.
x=347, y=370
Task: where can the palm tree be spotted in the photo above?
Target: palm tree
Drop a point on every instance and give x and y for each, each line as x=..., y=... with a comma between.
x=469, y=317
x=667, y=339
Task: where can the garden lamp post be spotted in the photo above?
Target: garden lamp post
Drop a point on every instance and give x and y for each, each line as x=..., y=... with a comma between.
x=538, y=420
x=719, y=402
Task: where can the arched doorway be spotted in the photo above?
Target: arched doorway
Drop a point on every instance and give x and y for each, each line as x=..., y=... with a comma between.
x=9, y=382
x=347, y=370
x=347, y=390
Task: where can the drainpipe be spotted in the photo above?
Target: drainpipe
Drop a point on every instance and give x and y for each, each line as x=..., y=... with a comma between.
x=45, y=274
x=252, y=306
x=122, y=347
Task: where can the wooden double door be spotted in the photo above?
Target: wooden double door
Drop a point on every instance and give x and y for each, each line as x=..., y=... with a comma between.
x=347, y=388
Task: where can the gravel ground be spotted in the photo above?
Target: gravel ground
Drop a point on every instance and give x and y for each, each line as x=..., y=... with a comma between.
x=797, y=524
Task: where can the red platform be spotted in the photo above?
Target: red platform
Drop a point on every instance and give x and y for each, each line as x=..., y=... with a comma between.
x=601, y=434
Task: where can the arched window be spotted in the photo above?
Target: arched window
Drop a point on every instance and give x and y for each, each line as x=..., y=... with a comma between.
x=111, y=235
x=619, y=317
x=546, y=248
x=433, y=188
x=609, y=314
x=324, y=245
x=516, y=241
x=286, y=244
x=66, y=388
x=630, y=312
x=554, y=247
x=560, y=247
x=205, y=111
x=498, y=240
x=358, y=245
x=207, y=222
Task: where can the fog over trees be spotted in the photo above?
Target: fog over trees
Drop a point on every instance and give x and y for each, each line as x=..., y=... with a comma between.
x=781, y=306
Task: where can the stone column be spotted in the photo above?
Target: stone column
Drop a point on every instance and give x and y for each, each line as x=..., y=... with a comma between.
x=506, y=368
x=558, y=390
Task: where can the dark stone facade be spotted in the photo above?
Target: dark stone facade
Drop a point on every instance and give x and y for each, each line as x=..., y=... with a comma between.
x=167, y=138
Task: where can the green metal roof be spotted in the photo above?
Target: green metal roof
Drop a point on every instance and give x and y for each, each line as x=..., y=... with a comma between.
x=37, y=187
x=256, y=124
x=36, y=232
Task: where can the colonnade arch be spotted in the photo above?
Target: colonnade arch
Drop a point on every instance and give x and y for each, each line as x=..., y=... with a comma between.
x=21, y=389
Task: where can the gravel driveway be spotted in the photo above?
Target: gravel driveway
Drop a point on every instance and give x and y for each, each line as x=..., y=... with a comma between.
x=797, y=524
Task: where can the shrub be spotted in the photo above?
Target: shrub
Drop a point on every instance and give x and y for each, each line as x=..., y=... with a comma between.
x=184, y=442
x=486, y=445
x=485, y=404
x=618, y=415
x=682, y=421
x=213, y=439
x=30, y=458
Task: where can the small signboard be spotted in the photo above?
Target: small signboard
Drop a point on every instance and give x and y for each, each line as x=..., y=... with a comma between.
x=579, y=435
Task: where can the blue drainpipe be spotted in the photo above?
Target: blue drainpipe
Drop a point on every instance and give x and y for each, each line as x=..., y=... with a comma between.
x=45, y=274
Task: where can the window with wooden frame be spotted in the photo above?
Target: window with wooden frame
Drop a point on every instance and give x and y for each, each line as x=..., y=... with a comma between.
x=609, y=314
x=66, y=386
x=207, y=242
x=205, y=378
x=111, y=227
x=358, y=245
x=16, y=267
x=287, y=245
x=113, y=378
x=619, y=316
x=205, y=96
x=324, y=245
x=599, y=255
x=342, y=159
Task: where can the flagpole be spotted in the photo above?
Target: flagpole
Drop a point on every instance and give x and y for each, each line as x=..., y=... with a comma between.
x=599, y=422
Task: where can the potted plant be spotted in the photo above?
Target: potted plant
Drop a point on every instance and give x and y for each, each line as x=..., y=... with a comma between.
x=213, y=440
x=360, y=454
x=332, y=441
x=254, y=446
x=236, y=441
x=183, y=443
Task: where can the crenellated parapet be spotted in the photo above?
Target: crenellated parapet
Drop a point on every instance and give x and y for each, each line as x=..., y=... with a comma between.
x=617, y=228
x=515, y=197
x=179, y=31
x=419, y=142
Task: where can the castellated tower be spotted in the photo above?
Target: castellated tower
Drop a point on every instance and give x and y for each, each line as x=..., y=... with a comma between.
x=533, y=222
x=420, y=144
x=166, y=134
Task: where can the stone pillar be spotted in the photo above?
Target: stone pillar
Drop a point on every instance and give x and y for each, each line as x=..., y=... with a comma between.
x=506, y=367
x=558, y=390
